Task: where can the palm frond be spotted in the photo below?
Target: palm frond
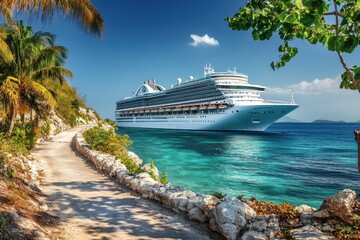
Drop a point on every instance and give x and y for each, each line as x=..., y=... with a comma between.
x=44, y=93
x=82, y=11
x=5, y=52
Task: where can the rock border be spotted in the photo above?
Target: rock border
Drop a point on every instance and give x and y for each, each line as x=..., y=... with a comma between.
x=229, y=216
x=233, y=218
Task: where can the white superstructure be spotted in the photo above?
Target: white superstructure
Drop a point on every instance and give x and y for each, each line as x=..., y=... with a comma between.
x=220, y=101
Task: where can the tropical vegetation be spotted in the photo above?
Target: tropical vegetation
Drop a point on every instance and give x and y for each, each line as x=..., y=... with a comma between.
x=106, y=140
x=32, y=83
x=82, y=11
x=335, y=24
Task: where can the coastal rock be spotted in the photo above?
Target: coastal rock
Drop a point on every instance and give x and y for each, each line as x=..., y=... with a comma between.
x=135, y=158
x=306, y=218
x=87, y=116
x=213, y=225
x=303, y=209
x=321, y=214
x=231, y=216
x=197, y=214
x=147, y=168
x=308, y=232
x=251, y=235
x=341, y=205
x=207, y=204
x=266, y=224
x=117, y=165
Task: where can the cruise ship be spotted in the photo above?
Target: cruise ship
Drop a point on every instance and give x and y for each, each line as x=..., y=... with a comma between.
x=218, y=101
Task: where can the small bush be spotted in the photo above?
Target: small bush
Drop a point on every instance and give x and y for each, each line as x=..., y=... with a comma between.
x=163, y=178
x=152, y=171
x=218, y=195
x=4, y=223
x=349, y=231
x=108, y=141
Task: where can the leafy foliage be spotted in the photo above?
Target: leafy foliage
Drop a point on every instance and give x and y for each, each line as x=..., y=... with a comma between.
x=163, y=178
x=22, y=141
x=152, y=171
x=108, y=141
x=347, y=232
x=285, y=212
x=335, y=24
x=83, y=11
x=28, y=63
x=218, y=195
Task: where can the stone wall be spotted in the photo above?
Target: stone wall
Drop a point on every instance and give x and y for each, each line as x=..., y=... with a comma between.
x=229, y=216
x=233, y=218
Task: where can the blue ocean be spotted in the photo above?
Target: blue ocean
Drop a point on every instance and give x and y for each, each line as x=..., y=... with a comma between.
x=299, y=163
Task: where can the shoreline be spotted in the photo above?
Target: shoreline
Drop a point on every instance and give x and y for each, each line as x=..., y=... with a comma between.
x=206, y=208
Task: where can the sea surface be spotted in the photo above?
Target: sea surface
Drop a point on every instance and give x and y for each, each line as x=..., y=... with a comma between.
x=300, y=163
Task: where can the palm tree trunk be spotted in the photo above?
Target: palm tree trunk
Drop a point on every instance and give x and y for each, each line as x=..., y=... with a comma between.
x=357, y=138
x=12, y=120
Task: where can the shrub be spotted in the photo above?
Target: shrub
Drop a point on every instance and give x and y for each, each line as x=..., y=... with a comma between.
x=108, y=141
x=152, y=171
x=218, y=195
x=163, y=178
x=349, y=231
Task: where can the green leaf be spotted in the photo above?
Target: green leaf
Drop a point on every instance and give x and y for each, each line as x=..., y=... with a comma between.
x=330, y=43
x=350, y=44
x=272, y=65
x=308, y=19
x=292, y=18
x=255, y=35
x=307, y=3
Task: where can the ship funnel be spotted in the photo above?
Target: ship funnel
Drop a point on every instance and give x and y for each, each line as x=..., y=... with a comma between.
x=179, y=81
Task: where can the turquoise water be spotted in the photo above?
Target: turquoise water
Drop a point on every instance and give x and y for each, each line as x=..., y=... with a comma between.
x=294, y=162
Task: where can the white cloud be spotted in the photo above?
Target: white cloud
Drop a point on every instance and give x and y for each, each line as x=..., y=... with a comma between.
x=204, y=40
x=319, y=98
x=317, y=86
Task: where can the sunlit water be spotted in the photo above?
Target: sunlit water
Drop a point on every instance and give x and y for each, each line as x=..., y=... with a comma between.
x=294, y=162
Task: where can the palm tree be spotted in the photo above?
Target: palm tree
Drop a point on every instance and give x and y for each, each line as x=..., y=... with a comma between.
x=83, y=11
x=30, y=60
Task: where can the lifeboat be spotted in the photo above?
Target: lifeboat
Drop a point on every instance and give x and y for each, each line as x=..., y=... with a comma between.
x=212, y=107
x=194, y=108
x=223, y=106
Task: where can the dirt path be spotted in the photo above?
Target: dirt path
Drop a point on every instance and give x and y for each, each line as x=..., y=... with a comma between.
x=93, y=207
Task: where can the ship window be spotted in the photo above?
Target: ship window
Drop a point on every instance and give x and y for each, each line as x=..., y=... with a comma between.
x=255, y=120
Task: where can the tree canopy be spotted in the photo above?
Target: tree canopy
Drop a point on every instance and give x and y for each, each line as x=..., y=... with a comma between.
x=335, y=24
x=82, y=11
x=28, y=61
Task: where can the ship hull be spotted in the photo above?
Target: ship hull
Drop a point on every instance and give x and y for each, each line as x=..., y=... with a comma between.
x=254, y=118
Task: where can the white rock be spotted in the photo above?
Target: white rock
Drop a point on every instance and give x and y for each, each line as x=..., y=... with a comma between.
x=252, y=235
x=308, y=232
x=135, y=158
x=304, y=209
x=147, y=168
x=231, y=216
x=207, y=204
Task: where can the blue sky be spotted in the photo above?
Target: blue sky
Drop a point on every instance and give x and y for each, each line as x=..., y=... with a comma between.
x=147, y=39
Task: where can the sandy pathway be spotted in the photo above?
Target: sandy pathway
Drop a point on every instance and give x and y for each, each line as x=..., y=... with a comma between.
x=94, y=207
